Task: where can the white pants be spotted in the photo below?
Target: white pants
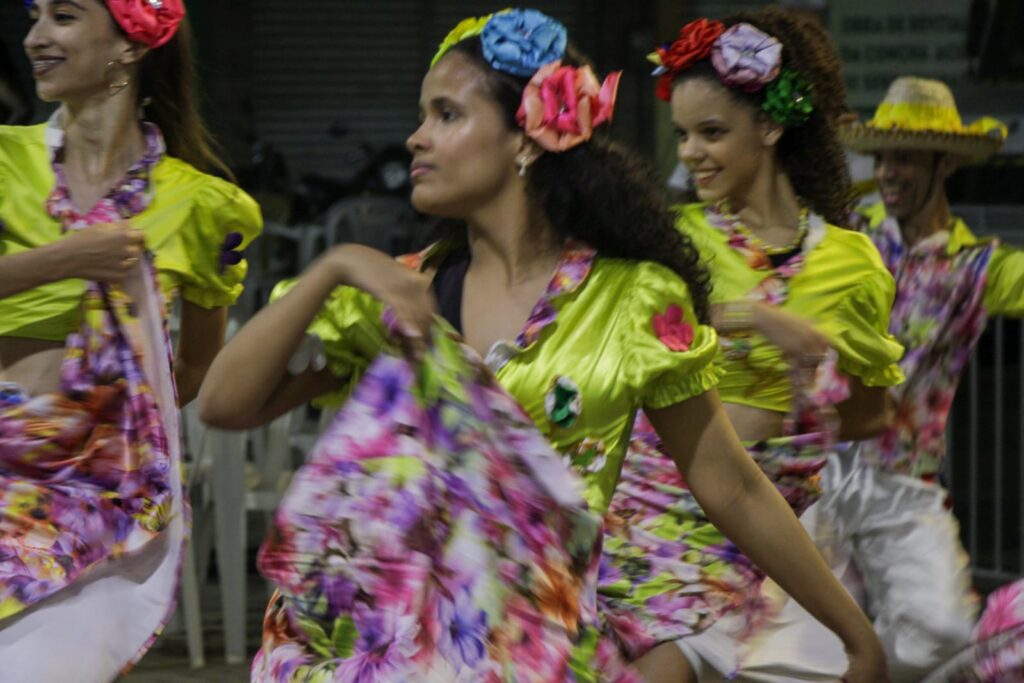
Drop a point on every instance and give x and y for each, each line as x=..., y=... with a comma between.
x=896, y=548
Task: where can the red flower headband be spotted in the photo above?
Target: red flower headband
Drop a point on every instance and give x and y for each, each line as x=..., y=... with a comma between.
x=694, y=44
x=150, y=22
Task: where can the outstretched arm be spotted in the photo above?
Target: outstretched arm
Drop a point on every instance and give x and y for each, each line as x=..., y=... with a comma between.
x=743, y=504
x=247, y=384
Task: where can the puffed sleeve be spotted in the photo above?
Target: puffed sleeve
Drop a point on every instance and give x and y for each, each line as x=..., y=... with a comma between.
x=224, y=221
x=668, y=355
x=859, y=332
x=352, y=334
x=1004, y=288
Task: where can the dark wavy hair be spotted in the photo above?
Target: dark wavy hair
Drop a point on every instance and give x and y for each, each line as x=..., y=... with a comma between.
x=599, y=192
x=810, y=154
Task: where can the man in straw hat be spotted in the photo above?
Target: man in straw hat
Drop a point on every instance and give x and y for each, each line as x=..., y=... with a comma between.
x=883, y=505
x=882, y=522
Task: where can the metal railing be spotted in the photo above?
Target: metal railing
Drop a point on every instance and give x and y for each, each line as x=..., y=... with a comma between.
x=985, y=467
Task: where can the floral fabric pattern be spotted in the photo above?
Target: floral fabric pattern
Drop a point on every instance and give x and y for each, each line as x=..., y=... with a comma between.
x=938, y=315
x=85, y=473
x=435, y=535
x=997, y=654
x=666, y=571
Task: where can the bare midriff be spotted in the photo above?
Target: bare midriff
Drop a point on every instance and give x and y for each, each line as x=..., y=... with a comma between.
x=32, y=364
x=755, y=424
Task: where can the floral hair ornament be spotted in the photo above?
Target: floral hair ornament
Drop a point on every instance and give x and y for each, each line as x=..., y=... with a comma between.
x=150, y=22
x=469, y=27
x=745, y=58
x=521, y=41
x=694, y=44
x=787, y=99
x=562, y=105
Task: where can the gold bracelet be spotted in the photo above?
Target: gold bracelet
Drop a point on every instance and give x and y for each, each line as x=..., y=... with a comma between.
x=736, y=316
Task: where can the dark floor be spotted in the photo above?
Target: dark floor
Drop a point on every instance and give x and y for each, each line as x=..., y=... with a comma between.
x=168, y=661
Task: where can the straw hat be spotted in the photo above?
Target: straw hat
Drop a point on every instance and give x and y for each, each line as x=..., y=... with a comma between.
x=920, y=114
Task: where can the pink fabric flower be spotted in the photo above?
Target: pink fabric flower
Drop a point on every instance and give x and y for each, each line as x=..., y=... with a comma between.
x=746, y=58
x=150, y=22
x=672, y=329
x=1003, y=611
x=562, y=105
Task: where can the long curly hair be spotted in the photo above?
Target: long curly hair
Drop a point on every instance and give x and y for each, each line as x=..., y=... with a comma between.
x=810, y=154
x=598, y=192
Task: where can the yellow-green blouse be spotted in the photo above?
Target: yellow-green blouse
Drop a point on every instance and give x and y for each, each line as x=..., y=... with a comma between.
x=843, y=288
x=592, y=331
x=186, y=226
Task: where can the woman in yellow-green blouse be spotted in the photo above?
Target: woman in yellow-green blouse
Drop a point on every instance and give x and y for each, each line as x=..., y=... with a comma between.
x=105, y=218
x=616, y=327
x=801, y=307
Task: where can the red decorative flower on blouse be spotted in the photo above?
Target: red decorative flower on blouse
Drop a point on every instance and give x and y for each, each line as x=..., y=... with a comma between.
x=694, y=44
x=672, y=329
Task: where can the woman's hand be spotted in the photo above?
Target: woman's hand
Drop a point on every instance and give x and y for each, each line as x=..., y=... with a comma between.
x=405, y=291
x=104, y=252
x=867, y=662
x=799, y=341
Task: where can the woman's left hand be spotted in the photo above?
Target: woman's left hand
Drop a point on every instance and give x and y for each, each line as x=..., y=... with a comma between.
x=867, y=662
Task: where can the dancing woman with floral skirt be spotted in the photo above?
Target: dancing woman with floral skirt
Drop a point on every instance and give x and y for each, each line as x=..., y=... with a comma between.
x=565, y=271
x=105, y=218
x=801, y=307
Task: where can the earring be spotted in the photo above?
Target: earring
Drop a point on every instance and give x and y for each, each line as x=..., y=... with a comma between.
x=115, y=88
x=146, y=101
x=524, y=163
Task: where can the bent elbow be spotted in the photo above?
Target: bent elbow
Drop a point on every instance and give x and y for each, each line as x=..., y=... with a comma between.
x=220, y=412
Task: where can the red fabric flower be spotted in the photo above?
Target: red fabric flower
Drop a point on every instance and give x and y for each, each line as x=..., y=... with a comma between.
x=672, y=329
x=694, y=44
x=150, y=22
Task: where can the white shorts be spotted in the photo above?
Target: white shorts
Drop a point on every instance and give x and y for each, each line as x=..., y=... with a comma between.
x=894, y=545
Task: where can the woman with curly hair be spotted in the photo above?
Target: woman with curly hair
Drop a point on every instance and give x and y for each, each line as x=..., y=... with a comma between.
x=107, y=215
x=507, y=151
x=801, y=307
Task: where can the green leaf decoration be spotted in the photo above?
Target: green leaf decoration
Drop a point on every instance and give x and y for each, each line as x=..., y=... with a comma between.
x=788, y=99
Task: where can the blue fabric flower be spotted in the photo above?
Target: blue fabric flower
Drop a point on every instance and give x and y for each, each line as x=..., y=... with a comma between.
x=520, y=41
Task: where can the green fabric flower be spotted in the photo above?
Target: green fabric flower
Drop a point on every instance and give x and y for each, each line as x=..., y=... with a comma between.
x=563, y=402
x=787, y=99
x=465, y=29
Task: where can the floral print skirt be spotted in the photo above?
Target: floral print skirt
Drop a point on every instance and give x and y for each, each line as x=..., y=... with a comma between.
x=435, y=535
x=666, y=571
x=92, y=516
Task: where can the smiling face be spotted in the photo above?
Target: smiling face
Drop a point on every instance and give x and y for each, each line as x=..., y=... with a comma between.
x=71, y=43
x=464, y=153
x=908, y=180
x=722, y=141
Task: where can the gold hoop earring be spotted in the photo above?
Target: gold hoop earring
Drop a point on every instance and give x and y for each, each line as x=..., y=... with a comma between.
x=114, y=88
